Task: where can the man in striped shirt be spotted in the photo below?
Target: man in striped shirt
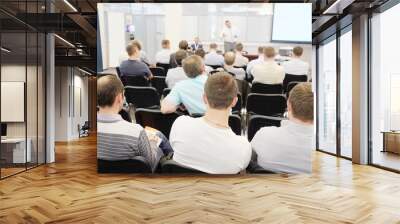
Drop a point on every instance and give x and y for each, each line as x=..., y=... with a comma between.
x=118, y=139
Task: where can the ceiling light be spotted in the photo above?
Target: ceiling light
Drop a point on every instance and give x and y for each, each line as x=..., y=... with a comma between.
x=65, y=41
x=5, y=50
x=70, y=5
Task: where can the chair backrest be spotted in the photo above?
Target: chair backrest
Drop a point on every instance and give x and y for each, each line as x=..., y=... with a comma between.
x=170, y=166
x=266, y=104
x=164, y=66
x=155, y=119
x=158, y=71
x=258, y=121
x=290, y=87
x=293, y=78
x=136, y=165
x=166, y=91
x=135, y=80
x=235, y=123
x=242, y=67
x=125, y=115
x=257, y=87
x=215, y=66
x=238, y=106
x=196, y=115
x=142, y=97
x=118, y=72
x=213, y=72
x=158, y=82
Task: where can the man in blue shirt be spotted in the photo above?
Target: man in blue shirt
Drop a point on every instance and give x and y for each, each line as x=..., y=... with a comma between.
x=134, y=66
x=188, y=92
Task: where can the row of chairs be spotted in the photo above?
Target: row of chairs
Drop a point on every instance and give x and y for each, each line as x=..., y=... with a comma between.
x=163, y=122
x=257, y=103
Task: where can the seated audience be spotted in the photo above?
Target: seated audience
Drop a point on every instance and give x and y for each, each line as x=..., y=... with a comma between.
x=257, y=61
x=240, y=60
x=118, y=139
x=213, y=58
x=142, y=54
x=164, y=54
x=296, y=66
x=188, y=92
x=200, y=52
x=134, y=66
x=289, y=148
x=229, y=59
x=207, y=143
x=268, y=72
x=196, y=45
x=177, y=74
x=183, y=45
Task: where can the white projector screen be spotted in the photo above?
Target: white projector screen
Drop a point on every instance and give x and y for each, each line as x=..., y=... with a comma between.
x=292, y=22
x=12, y=101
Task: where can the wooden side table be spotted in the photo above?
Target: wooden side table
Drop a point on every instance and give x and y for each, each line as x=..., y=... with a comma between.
x=391, y=141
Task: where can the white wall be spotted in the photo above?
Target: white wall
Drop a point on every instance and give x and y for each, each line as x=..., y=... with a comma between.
x=71, y=95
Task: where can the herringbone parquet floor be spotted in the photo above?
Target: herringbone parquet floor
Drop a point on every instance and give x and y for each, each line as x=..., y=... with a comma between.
x=70, y=191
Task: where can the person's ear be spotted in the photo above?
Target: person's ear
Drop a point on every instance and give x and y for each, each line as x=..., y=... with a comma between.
x=205, y=99
x=289, y=108
x=234, y=101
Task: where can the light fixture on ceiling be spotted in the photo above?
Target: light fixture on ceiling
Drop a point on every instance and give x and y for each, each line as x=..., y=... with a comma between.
x=70, y=5
x=86, y=72
x=64, y=40
x=5, y=50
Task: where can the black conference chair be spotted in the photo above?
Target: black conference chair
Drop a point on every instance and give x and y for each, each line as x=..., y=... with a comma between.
x=170, y=166
x=125, y=115
x=258, y=121
x=166, y=91
x=215, y=66
x=142, y=97
x=158, y=71
x=196, y=115
x=235, y=123
x=290, y=86
x=158, y=82
x=156, y=120
x=293, y=78
x=257, y=87
x=135, y=81
x=238, y=106
x=266, y=104
x=164, y=66
x=118, y=72
x=242, y=67
x=136, y=165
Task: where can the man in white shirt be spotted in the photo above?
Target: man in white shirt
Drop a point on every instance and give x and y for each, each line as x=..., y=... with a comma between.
x=259, y=60
x=164, y=54
x=229, y=35
x=268, y=72
x=296, y=66
x=229, y=59
x=207, y=143
x=213, y=58
x=240, y=60
x=177, y=74
x=289, y=148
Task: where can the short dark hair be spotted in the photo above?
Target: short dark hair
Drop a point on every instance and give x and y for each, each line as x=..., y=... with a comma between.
x=200, y=52
x=131, y=49
x=183, y=44
x=301, y=100
x=220, y=90
x=239, y=47
x=298, y=51
x=108, y=88
x=180, y=55
x=192, y=66
x=164, y=42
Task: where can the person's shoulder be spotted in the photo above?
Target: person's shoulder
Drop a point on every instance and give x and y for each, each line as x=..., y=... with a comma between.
x=268, y=132
x=184, y=120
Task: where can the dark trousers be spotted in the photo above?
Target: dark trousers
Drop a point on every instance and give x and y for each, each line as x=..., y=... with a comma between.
x=164, y=145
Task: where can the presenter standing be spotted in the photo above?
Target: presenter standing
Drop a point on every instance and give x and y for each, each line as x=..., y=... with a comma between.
x=229, y=35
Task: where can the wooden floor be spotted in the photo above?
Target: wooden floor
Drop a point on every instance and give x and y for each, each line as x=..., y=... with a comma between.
x=70, y=191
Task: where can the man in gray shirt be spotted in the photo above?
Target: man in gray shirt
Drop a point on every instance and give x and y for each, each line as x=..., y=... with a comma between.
x=134, y=66
x=118, y=139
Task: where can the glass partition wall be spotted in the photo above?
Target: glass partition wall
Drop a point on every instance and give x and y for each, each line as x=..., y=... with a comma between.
x=22, y=77
x=385, y=90
x=334, y=93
